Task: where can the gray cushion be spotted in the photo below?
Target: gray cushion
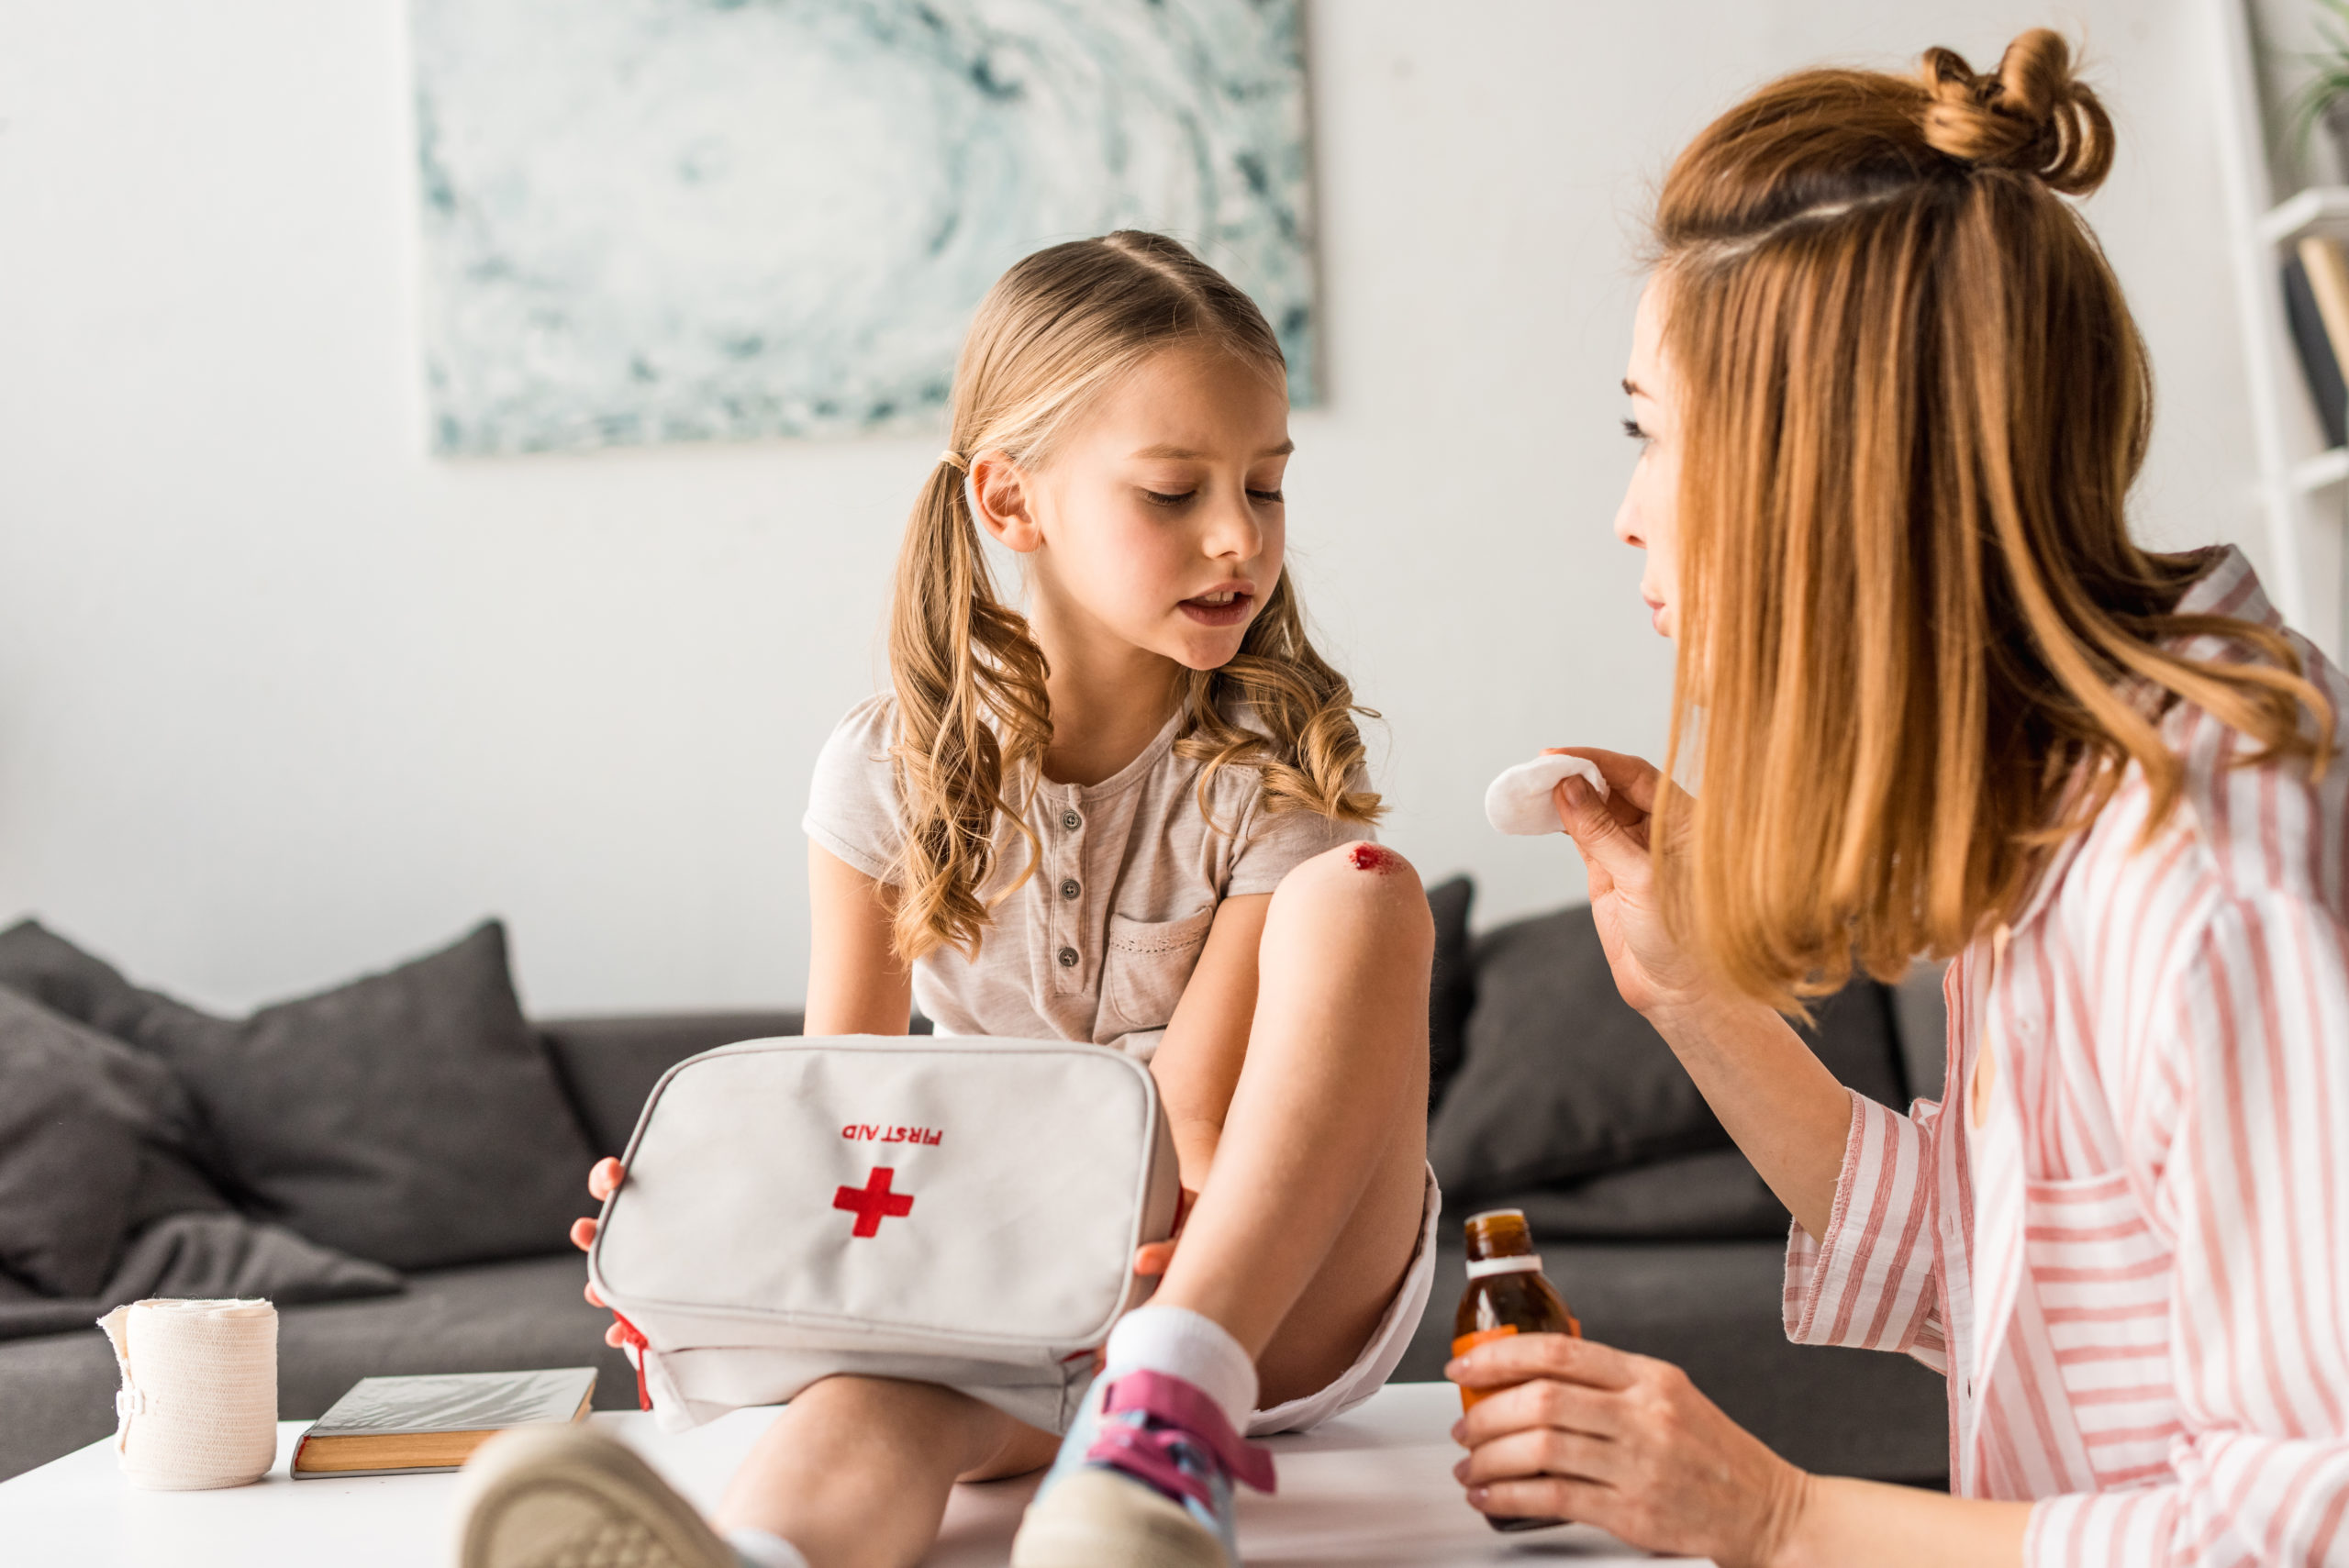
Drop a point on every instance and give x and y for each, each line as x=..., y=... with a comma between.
x=202, y=1256
x=91, y=1159
x=1451, y=984
x=70, y=1141
x=1689, y=1196
x=1562, y=1081
x=410, y=1117
x=610, y=1064
x=43, y=965
x=170, y=1182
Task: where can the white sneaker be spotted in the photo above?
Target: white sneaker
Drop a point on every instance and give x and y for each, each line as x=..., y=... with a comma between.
x=572, y=1497
x=1098, y=1517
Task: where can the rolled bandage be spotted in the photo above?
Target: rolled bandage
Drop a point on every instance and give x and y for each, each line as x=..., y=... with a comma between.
x=198, y=1402
x=1519, y=800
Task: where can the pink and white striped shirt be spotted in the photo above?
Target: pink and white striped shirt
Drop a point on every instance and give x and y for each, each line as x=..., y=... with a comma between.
x=2134, y=1272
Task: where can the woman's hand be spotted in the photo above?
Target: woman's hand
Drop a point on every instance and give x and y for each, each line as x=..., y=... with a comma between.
x=1615, y=838
x=1583, y=1432
x=603, y=1179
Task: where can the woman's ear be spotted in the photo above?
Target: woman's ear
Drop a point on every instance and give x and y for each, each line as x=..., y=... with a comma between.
x=999, y=497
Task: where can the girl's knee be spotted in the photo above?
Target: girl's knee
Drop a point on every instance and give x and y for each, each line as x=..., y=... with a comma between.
x=1368, y=884
x=858, y=1421
x=846, y=1394
x=868, y=1407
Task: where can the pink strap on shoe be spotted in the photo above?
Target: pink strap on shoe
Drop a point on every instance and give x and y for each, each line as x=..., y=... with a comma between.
x=1147, y=1455
x=1183, y=1406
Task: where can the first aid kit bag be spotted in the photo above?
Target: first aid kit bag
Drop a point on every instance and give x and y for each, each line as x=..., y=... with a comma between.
x=951, y=1210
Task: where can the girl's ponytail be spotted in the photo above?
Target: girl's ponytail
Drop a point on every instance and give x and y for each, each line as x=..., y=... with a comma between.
x=971, y=714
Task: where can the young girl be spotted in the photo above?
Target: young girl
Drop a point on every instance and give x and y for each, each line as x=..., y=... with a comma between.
x=1134, y=816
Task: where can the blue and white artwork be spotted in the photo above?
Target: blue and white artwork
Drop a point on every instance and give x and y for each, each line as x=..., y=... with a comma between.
x=656, y=221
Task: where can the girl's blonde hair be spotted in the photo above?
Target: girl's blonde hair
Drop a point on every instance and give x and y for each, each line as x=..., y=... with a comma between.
x=1917, y=639
x=1054, y=333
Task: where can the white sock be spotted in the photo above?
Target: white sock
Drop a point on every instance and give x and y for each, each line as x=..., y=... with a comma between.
x=757, y=1548
x=1185, y=1344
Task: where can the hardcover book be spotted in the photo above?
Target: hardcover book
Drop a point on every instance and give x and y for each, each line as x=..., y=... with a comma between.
x=2317, y=359
x=2327, y=265
x=392, y=1426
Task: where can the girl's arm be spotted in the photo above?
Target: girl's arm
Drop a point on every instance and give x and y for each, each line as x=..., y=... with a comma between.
x=1197, y=1063
x=855, y=984
x=1777, y=1099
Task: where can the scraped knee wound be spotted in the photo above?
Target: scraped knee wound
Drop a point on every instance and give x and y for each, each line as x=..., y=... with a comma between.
x=1367, y=856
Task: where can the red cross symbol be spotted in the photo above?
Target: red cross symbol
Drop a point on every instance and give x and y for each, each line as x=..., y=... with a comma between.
x=870, y=1202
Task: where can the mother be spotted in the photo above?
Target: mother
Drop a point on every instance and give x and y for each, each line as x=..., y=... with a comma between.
x=1891, y=403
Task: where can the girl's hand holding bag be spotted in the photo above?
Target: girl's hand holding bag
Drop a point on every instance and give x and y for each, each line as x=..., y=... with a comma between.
x=957, y=1211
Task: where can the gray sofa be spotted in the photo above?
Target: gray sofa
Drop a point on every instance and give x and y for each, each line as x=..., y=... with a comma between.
x=1709, y=1302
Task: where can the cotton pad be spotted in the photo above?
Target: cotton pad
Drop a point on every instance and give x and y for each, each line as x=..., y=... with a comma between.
x=1518, y=801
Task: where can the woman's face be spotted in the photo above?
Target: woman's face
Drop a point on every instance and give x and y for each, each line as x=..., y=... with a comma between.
x=1648, y=517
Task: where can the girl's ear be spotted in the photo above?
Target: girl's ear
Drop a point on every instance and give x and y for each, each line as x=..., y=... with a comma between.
x=999, y=495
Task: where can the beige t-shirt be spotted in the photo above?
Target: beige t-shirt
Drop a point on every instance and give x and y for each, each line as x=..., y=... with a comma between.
x=1097, y=944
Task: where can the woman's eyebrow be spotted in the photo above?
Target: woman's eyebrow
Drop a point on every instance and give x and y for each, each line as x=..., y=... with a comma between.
x=1632, y=388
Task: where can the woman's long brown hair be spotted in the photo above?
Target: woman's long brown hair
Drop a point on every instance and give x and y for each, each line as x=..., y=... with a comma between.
x=1919, y=646
x=973, y=719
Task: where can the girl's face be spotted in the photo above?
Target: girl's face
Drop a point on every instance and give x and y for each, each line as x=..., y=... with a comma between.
x=1648, y=518
x=1157, y=521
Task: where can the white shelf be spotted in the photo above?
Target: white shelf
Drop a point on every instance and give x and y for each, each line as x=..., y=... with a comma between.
x=2327, y=468
x=2302, y=486
x=2320, y=209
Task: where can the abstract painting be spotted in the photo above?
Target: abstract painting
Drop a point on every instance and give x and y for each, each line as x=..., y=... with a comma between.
x=659, y=220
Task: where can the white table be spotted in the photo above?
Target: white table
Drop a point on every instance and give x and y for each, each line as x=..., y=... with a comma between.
x=1373, y=1488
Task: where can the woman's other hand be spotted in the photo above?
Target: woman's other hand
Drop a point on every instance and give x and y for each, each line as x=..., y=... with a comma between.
x=1579, y=1431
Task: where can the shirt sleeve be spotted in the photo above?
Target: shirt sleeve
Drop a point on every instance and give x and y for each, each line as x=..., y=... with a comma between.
x=1273, y=843
x=2256, y=1198
x=853, y=806
x=1873, y=1282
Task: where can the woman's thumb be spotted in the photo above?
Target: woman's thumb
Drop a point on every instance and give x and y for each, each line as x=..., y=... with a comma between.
x=1593, y=828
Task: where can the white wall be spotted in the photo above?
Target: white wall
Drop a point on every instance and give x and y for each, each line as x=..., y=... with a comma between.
x=281, y=699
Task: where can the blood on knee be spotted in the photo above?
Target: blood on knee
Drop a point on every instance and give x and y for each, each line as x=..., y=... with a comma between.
x=1367, y=856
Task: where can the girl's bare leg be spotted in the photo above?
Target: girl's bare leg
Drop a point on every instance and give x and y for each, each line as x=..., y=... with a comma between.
x=1298, y=1244
x=856, y=1470
x=1313, y=1204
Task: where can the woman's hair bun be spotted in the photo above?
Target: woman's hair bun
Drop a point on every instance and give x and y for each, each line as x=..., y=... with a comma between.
x=2031, y=115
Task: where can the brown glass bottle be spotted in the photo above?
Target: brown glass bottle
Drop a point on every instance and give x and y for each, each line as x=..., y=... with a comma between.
x=1506, y=1294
